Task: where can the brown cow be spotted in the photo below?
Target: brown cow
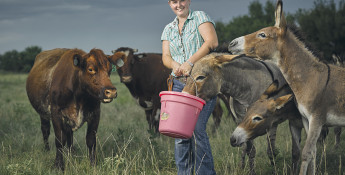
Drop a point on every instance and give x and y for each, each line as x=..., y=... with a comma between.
x=145, y=76
x=67, y=87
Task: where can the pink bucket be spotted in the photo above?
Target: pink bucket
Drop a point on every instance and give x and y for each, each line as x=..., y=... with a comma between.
x=179, y=114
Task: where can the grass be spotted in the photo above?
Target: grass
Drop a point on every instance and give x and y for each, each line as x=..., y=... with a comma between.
x=124, y=144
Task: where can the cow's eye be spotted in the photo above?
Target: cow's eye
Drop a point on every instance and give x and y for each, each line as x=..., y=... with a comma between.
x=199, y=78
x=257, y=119
x=91, y=71
x=262, y=35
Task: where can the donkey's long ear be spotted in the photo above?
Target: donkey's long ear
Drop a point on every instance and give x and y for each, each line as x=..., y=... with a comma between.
x=270, y=90
x=280, y=19
x=219, y=60
x=282, y=101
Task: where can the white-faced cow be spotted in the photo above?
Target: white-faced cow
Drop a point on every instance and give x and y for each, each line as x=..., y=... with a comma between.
x=67, y=87
x=319, y=88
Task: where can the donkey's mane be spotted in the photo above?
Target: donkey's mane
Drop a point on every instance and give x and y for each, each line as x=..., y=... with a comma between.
x=301, y=37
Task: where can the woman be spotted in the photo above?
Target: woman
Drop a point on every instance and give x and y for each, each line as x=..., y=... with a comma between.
x=189, y=37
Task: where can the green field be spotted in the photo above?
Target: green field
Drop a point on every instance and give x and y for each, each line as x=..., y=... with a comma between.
x=124, y=144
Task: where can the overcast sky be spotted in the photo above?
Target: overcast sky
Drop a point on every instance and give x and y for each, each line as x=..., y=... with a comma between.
x=104, y=24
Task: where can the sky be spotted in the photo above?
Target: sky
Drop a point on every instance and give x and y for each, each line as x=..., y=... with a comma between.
x=105, y=24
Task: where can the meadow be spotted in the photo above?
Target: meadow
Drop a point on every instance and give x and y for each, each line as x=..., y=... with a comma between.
x=126, y=146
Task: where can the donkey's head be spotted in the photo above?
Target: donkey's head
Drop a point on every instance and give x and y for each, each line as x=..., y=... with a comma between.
x=265, y=42
x=206, y=77
x=260, y=116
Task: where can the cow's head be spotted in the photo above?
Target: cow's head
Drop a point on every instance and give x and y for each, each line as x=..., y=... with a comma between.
x=94, y=75
x=260, y=116
x=128, y=59
x=206, y=77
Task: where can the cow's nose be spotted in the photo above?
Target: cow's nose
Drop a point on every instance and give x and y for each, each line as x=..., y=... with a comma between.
x=126, y=79
x=110, y=93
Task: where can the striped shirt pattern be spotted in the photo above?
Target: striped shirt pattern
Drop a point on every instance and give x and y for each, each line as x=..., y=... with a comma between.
x=183, y=46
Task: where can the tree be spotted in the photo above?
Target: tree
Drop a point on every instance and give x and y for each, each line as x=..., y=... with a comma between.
x=258, y=18
x=324, y=26
x=28, y=57
x=15, y=61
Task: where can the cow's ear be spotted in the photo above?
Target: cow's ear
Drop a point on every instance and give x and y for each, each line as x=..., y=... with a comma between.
x=118, y=57
x=77, y=60
x=140, y=57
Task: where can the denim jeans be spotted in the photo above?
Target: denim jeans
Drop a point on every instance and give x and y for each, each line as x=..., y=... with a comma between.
x=195, y=153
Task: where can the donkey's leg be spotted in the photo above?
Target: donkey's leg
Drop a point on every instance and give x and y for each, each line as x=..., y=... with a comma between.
x=309, y=150
x=295, y=130
x=271, y=139
x=337, y=132
x=243, y=155
x=251, y=151
x=217, y=116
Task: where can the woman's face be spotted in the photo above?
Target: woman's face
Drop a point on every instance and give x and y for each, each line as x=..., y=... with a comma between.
x=180, y=7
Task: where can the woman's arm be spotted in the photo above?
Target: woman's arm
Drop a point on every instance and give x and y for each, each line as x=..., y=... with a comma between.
x=167, y=59
x=208, y=33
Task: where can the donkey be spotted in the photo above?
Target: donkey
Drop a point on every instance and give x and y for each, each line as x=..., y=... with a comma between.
x=240, y=77
x=319, y=88
x=266, y=113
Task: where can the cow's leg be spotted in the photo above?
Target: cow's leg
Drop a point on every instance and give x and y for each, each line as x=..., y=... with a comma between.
x=148, y=113
x=69, y=135
x=45, y=128
x=309, y=150
x=271, y=146
x=156, y=113
x=296, y=146
x=337, y=132
x=60, y=141
x=91, y=138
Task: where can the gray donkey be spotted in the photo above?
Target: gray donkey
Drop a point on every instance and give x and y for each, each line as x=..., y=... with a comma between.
x=244, y=79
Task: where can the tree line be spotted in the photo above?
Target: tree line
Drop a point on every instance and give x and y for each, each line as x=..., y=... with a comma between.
x=323, y=26
x=14, y=61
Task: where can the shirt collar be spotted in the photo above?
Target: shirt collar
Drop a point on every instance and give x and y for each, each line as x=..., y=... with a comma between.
x=188, y=18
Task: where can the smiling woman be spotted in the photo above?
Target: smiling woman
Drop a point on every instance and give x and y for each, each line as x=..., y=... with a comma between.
x=189, y=37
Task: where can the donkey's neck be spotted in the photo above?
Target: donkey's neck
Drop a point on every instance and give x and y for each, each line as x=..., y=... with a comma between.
x=297, y=63
x=245, y=80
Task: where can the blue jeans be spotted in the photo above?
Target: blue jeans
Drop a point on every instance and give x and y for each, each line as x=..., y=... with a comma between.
x=196, y=151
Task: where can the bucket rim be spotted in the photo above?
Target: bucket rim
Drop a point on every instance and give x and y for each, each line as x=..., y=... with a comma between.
x=183, y=95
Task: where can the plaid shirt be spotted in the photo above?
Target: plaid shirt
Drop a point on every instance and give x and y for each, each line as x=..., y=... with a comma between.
x=183, y=46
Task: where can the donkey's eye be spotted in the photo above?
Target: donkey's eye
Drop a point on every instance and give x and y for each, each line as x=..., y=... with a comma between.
x=257, y=119
x=262, y=35
x=199, y=78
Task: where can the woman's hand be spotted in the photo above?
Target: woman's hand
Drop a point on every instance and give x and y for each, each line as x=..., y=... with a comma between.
x=176, y=68
x=185, y=69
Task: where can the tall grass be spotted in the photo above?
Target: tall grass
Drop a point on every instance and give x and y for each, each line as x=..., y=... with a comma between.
x=124, y=143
